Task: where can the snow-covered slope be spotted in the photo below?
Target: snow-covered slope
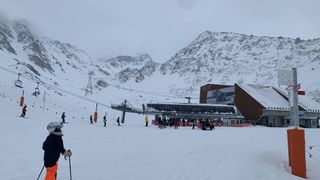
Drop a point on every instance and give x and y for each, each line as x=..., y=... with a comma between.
x=133, y=151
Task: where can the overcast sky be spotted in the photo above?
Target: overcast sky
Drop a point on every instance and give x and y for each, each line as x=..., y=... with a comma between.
x=107, y=28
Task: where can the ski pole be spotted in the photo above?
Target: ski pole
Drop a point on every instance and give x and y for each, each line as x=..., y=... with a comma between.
x=70, y=168
x=40, y=172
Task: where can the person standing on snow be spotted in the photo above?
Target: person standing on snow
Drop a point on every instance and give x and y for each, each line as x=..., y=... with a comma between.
x=164, y=122
x=104, y=120
x=160, y=122
x=147, y=121
x=24, y=110
x=53, y=147
x=63, y=116
x=176, y=123
x=91, y=120
x=118, y=121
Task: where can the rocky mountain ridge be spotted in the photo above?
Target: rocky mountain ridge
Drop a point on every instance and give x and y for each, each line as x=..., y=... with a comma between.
x=213, y=57
x=228, y=58
x=136, y=67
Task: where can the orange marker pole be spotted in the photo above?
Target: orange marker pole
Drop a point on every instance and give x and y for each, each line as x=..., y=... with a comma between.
x=22, y=99
x=297, y=154
x=95, y=114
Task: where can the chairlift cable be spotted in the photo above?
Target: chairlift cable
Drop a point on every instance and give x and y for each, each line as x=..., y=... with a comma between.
x=56, y=88
x=149, y=93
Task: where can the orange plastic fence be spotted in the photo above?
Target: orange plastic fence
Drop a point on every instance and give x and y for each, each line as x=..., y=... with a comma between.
x=218, y=124
x=296, y=152
x=189, y=123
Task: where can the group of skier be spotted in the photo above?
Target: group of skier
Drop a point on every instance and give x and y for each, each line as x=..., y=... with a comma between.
x=104, y=120
x=164, y=122
x=53, y=145
x=63, y=117
x=203, y=123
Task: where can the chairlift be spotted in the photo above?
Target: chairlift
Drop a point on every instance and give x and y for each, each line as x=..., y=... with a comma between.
x=18, y=82
x=36, y=90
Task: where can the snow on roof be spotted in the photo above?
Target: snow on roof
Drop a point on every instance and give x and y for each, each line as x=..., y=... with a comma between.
x=265, y=95
x=304, y=101
x=309, y=103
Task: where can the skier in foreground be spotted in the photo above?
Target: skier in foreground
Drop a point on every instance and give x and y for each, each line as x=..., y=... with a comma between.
x=53, y=146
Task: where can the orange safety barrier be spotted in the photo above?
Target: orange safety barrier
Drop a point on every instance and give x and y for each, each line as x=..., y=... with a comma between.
x=296, y=152
x=95, y=116
x=217, y=124
x=189, y=123
x=21, y=101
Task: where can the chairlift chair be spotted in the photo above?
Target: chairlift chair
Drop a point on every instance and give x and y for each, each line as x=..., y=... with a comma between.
x=18, y=82
x=36, y=90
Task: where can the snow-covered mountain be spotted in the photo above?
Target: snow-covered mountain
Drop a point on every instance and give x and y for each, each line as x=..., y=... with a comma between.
x=213, y=57
x=137, y=67
x=231, y=57
x=45, y=59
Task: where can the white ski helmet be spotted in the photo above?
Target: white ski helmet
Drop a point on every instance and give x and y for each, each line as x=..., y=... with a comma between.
x=55, y=128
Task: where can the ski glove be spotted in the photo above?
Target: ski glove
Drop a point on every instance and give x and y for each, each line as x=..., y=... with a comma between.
x=67, y=153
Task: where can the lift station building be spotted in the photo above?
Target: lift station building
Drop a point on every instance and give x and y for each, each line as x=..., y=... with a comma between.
x=265, y=105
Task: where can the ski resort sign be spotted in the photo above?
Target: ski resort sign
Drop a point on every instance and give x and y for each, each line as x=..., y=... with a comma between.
x=285, y=77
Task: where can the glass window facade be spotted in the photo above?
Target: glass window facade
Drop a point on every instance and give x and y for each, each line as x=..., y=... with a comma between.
x=193, y=109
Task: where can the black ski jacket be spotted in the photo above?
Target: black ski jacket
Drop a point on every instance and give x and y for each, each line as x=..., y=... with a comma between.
x=52, y=147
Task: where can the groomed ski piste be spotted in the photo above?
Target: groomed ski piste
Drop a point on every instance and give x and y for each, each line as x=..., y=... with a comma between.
x=133, y=151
